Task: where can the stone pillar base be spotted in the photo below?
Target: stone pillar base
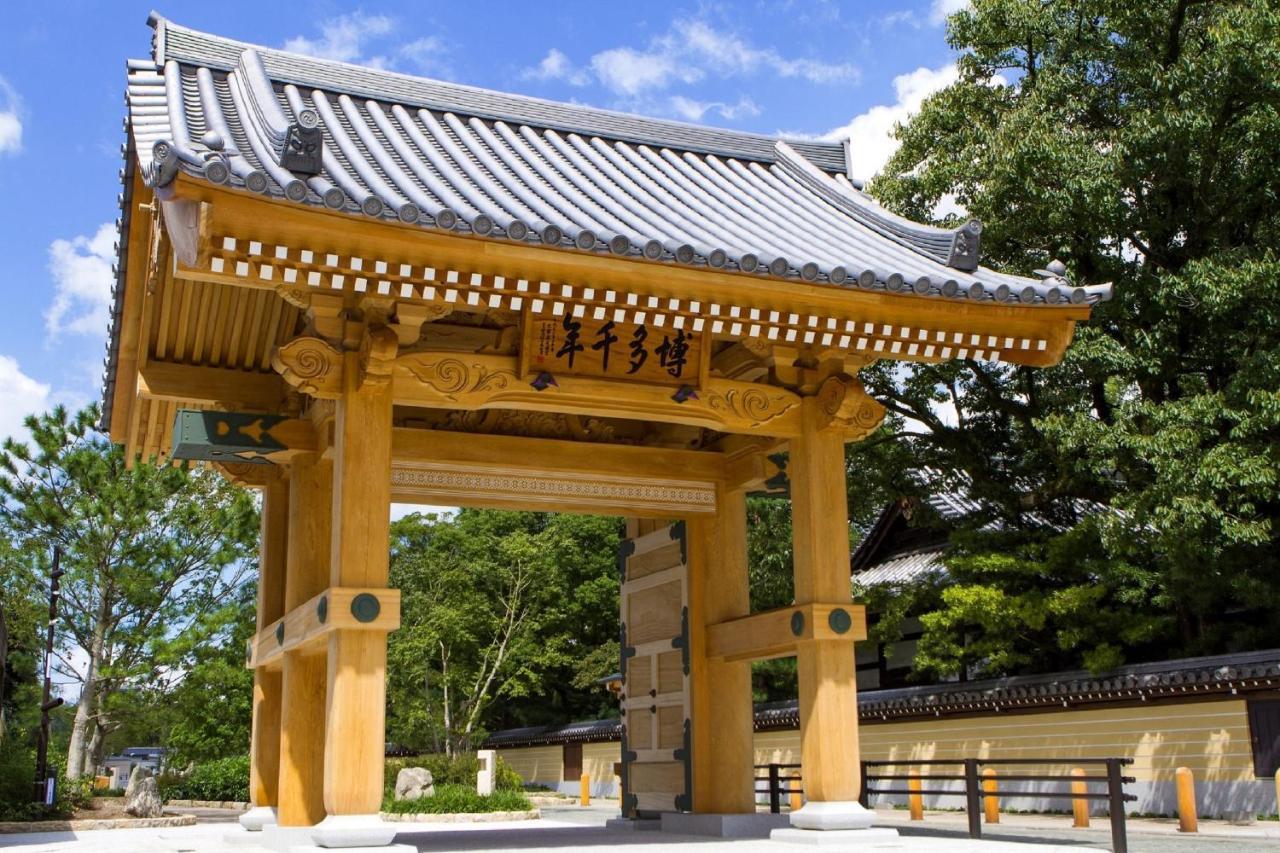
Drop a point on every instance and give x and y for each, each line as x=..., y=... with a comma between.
x=257, y=817
x=846, y=839
x=833, y=815
x=393, y=848
x=757, y=825
x=353, y=831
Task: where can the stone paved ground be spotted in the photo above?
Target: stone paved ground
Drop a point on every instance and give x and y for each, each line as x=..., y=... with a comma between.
x=573, y=828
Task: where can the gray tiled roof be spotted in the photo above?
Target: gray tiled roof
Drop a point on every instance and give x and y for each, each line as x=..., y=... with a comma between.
x=902, y=568
x=509, y=167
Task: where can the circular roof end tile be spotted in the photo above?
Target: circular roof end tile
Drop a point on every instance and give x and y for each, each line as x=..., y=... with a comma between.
x=718, y=258
x=653, y=250
x=216, y=170
x=977, y=291
x=517, y=230
x=838, y=275
x=295, y=190
x=685, y=254
x=866, y=279
x=778, y=266
x=335, y=199
x=256, y=181
x=552, y=235
x=1003, y=293
x=586, y=239
x=951, y=287
x=446, y=219
x=894, y=282
x=749, y=262
x=408, y=212
x=619, y=244
x=922, y=285
x=482, y=225
x=809, y=272
x=372, y=206
x=1028, y=295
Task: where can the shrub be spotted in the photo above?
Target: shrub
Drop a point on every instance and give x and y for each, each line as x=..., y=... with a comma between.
x=221, y=779
x=459, y=799
x=458, y=770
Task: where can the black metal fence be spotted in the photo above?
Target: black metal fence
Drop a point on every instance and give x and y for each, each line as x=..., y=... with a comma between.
x=970, y=773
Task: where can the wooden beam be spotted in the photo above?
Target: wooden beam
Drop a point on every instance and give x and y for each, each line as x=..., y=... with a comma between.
x=463, y=469
x=824, y=667
x=304, y=665
x=720, y=691
x=449, y=380
x=776, y=633
x=264, y=739
x=538, y=455
x=308, y=626
x=211, y=387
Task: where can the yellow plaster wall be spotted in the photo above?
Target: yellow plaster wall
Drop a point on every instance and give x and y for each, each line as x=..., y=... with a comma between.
x=541, y=764
x=1211, y=738
x=598, y=760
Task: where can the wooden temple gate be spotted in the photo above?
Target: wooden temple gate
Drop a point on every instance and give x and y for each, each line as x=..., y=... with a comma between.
x=347, y=289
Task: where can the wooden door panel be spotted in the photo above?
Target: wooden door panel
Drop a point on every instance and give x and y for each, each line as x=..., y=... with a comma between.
x=656, y=770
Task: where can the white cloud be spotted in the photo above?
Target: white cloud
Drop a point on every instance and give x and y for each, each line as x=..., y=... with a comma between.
x=625, y=71
x=689, y=51
x=344, y=38
x=22, y=396
x=82, y=280
x=870, y=133
x=942, y=9
x=693, y=110
x=556, y=66
x=426, y=55
x=10, y=122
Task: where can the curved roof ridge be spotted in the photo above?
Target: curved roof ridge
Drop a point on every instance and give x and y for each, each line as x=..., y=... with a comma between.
x=186, y=45
x=945, y=245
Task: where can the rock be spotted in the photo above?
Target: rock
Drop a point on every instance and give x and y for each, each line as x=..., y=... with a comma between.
x=145, y=800
x=135, y=776
x=413, y=783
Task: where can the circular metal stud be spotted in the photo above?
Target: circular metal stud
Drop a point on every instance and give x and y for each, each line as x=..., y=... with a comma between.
x=839, y=620
x=797, y=624
x=365, y=607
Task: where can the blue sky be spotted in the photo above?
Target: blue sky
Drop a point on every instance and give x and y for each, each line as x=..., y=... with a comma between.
x=830, y=69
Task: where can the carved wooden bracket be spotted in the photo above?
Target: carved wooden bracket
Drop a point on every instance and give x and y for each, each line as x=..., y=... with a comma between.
x=378, y=347
x=311, y=365
x=845, y=404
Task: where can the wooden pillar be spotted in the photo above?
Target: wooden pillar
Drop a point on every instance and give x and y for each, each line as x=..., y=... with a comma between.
x=356, y=702
x=264, y=748
x=826, y=669
x=304, y=674
x=721, y=707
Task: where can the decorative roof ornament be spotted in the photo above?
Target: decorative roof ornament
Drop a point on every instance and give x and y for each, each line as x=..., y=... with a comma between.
x=303, y=143
x=164, y=159
x=965, y=246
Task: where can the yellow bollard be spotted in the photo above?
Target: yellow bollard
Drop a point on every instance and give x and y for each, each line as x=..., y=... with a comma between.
x=914, y=801
x=1186, y=784
x=586, y=789
x=797, y=800
x=1278, y=789
x=990, y=803
x=1079, y=805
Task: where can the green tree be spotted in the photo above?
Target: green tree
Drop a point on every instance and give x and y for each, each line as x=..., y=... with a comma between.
x=211, y=707
x=1137, y=143
x=517, y=606
x=152, y=553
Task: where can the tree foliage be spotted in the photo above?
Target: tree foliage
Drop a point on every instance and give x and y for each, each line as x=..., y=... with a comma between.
x=153, y=556
x=521, y=607
x=1138, y=143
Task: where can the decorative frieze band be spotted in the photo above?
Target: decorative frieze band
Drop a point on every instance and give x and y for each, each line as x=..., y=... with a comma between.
x=441, y=483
